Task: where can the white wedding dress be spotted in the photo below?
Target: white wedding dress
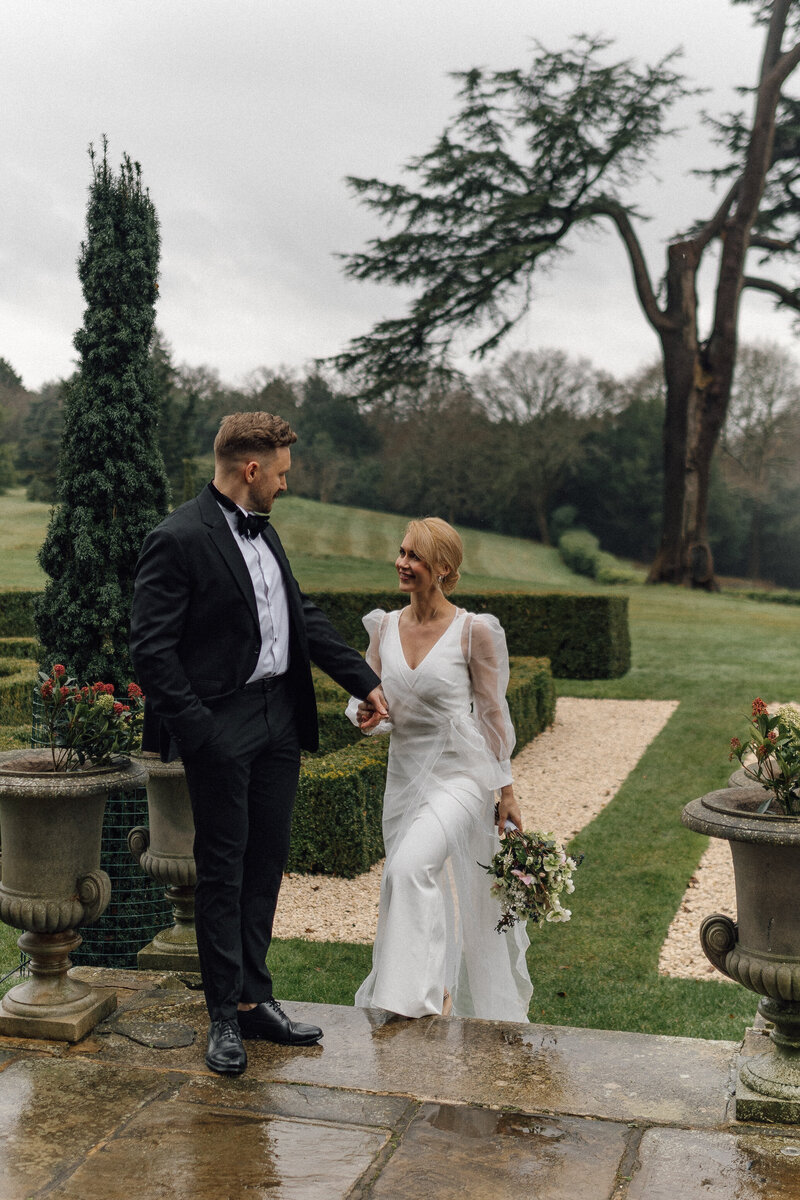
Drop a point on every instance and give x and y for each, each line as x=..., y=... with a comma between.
x=450, y=749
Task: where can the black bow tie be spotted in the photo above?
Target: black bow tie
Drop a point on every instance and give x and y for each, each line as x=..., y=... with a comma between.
x=251, y=525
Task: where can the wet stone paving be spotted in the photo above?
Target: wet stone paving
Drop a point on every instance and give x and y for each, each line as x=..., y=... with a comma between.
x=440, y=1108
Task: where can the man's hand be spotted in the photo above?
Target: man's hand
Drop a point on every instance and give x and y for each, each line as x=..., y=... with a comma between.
x=373, y=710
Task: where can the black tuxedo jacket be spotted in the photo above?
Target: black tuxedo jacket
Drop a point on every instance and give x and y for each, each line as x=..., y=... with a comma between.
x=195, y=635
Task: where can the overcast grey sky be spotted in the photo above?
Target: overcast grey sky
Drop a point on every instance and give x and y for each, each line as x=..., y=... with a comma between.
x=247, y=114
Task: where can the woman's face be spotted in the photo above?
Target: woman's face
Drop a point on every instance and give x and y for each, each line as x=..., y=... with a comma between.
x=412, y=573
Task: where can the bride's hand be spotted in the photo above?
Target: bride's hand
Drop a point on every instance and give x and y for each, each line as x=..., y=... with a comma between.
x=372, y=711
x=508, y=810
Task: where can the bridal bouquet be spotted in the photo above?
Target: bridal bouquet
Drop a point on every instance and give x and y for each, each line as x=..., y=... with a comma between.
x=532, y=873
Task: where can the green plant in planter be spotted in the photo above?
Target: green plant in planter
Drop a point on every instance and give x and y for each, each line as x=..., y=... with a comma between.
x=771, y=755
x=88, y=724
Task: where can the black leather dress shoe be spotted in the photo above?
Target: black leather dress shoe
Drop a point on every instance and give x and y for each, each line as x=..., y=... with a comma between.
x=269, y=1022
x=225, y=1054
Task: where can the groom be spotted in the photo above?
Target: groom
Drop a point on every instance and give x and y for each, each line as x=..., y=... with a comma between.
x=222, y=640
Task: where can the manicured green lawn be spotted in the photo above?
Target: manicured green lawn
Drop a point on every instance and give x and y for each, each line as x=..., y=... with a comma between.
x=23, y=524
x=712, y=653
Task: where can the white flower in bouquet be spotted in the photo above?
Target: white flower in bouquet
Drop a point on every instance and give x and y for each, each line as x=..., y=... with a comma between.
x=531, y=871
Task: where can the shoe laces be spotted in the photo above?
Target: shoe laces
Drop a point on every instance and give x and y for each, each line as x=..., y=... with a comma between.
x=229, y=1031
x=275, y=1006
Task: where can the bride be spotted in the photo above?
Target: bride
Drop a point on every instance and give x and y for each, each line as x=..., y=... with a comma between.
x=444, y=673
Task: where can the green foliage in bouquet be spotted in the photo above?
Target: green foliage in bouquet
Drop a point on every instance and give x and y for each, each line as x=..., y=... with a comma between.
x=532, y=874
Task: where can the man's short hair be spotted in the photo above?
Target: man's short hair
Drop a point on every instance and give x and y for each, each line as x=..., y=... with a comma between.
x=243, y=433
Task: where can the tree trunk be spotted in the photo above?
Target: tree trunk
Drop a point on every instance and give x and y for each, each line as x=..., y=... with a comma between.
x=540, y=516
x=754, y=543
x=696, y=410
x=684, y=555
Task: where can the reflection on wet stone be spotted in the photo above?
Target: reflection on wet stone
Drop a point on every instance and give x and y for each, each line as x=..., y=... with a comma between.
x=454, y=1153
x=196, y=1153
x=296, y=1100
x=53, y=1112
x=716, y=1166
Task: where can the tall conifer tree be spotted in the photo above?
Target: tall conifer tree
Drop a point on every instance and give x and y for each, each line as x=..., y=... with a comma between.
x=112, y=488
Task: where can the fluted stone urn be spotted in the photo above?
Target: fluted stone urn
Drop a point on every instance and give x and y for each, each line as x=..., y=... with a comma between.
x=761, y=949
x=51, y=824
x=165, y=853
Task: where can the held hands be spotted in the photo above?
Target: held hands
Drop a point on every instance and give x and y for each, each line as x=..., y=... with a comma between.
x=507, y=810
x=372, y=711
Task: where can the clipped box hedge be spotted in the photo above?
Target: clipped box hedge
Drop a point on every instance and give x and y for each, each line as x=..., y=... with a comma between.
x=19, y=647
x=16, y=614
x=17, y=677
x=584, y=636
x=336, y=828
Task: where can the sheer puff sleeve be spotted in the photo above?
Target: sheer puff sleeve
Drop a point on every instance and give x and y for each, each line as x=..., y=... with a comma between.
x=484, y=648
x=374, y=623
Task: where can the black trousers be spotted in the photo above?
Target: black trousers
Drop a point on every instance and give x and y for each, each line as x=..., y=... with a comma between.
x=242, y=785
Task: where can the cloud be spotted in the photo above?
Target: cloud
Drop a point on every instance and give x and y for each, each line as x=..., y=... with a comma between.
x=247, y=116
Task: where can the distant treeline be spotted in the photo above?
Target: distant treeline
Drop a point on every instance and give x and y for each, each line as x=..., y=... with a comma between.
x=537, y=444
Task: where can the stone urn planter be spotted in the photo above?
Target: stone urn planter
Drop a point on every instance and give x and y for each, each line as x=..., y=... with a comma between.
x=761, y=949
x=165, y=853
x=50, y=823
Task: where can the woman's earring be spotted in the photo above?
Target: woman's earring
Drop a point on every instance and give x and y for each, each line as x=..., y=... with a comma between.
x=440, y=578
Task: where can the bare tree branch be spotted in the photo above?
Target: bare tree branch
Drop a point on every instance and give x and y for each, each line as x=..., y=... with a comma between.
x=641, y=275
x=763, y=242
x=788, y=296
x=714, y=227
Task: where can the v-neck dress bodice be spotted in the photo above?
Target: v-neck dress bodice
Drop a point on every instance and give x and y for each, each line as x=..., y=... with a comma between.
x=451, y=742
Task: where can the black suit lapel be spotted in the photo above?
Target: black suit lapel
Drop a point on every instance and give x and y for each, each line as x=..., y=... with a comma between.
x=220, y=533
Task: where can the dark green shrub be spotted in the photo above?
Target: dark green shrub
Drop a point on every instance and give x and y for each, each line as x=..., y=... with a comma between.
x=579, y=549
x=581, y=552
x=112, y=489
x=609, y=570
x=765, y=597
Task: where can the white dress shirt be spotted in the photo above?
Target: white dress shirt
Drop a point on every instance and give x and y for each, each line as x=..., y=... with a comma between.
x=271, y=601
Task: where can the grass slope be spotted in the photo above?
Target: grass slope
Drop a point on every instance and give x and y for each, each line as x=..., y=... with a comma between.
x=330, y=546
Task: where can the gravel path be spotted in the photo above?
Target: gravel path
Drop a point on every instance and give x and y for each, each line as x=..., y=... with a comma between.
x=711, y=889
x=612, y=736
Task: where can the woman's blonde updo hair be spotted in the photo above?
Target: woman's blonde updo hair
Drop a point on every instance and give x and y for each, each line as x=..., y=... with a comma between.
x=439, y=547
